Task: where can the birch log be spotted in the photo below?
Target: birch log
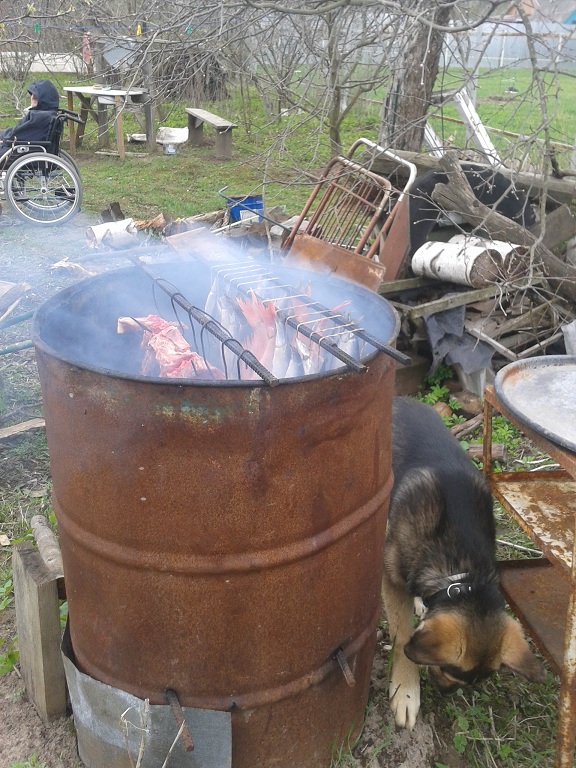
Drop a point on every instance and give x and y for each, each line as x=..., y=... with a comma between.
x=113, y=234
x=458, y=196
x=460, y=263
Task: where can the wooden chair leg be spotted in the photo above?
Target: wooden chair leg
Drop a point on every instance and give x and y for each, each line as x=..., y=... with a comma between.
x=224, y=144
x=195, y=131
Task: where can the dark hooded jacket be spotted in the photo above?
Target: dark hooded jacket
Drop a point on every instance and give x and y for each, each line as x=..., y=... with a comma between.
x=35, y=125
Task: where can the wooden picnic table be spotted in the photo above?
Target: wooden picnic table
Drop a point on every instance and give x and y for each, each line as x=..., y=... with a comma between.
x=95, y=102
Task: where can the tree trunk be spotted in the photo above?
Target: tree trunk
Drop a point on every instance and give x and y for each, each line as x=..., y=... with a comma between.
x=335, y=88
x=413, y=77
x=335, y=121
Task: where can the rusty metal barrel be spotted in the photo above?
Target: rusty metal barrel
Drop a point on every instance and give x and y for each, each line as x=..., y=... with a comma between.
x=223, y=540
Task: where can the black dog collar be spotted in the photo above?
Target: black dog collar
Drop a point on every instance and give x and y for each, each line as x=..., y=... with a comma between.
x=456, y=587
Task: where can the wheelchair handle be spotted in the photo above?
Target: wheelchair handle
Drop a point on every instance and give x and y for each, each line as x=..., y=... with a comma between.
x=74, y=116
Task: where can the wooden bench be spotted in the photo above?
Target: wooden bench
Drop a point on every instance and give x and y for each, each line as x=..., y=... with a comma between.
x=196, y=120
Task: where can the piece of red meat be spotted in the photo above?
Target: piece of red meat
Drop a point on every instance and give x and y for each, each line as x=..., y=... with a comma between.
x=164, y=344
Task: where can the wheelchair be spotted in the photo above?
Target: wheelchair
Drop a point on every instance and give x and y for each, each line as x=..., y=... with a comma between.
x=41, y=182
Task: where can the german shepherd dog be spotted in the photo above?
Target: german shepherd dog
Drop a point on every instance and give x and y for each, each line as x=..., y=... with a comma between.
x=440, y=548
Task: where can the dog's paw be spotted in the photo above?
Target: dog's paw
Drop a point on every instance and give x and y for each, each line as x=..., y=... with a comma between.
x=405, y=695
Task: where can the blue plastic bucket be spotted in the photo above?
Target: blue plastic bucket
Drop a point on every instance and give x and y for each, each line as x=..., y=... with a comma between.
x=245, y=206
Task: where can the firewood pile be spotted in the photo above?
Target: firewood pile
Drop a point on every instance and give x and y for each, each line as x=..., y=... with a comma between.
x=504, y=311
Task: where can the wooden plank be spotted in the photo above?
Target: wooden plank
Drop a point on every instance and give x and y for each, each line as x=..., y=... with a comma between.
x=504, y=351
x=496, y=327
x=38, y=626
x=408, y=283
x=451, y=301
x=530, y=319
x=536, y=349
x=23, y=426
x=112, y=153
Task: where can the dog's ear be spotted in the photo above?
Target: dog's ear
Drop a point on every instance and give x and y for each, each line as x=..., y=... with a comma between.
x=516, y=653
x=438, y=640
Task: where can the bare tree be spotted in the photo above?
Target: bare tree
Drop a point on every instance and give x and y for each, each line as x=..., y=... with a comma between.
x=406, y=58
x=322, y=65
x=413, y=73
x=26, y=31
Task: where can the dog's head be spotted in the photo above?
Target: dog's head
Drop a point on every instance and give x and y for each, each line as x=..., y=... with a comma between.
x=462, y=649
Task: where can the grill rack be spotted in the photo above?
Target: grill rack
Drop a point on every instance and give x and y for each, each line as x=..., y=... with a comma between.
x=245, y=280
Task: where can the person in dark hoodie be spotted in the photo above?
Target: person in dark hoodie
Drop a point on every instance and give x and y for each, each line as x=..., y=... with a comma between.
x=35, y=125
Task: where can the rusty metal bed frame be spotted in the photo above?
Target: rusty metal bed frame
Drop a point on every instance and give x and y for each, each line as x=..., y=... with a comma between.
x=355, y=221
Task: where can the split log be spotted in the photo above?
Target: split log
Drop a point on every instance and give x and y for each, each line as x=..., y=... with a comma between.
x=459, y=197
x=113, y=234
x=157, y=224
x=48, y=545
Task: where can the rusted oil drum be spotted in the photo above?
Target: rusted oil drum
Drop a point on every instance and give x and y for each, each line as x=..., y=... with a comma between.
x=220, y=539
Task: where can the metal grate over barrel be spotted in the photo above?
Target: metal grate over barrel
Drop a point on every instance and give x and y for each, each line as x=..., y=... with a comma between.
x=221, y=539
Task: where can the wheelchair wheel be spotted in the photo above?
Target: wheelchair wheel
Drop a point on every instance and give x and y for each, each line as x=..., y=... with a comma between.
x=68, y=157
x=43, y=189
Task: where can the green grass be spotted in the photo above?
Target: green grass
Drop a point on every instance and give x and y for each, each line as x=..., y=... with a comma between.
x=527, y=111
x=31, y=762
x=500, y=723
x=279, y=157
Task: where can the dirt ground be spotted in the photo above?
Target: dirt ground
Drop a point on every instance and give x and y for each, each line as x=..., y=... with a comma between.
x=29, y=254
x=22, y=732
